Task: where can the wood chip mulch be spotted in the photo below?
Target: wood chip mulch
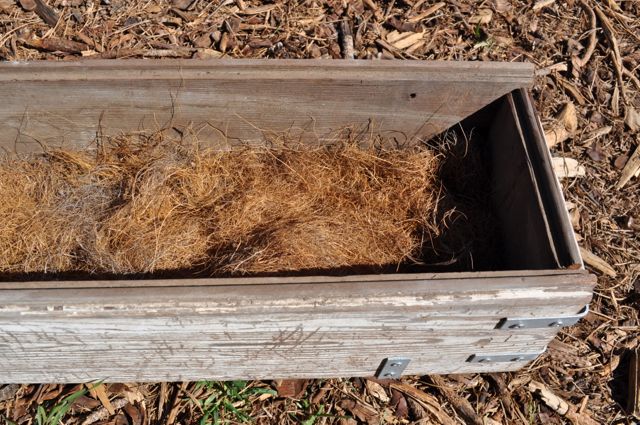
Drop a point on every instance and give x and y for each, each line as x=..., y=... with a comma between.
x=587, y=55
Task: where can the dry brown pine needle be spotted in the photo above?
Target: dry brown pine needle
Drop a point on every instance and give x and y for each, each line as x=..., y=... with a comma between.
x=146, y=204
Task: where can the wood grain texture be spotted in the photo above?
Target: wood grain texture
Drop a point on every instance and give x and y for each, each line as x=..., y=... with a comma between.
x=274, y=330
x=279, y=280
x=66, y=104
x=297, y=327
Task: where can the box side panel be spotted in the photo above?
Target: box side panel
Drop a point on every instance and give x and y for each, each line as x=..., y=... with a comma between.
x=221, y=102
x=275, y=331
x=553, y=202
x=526, y=238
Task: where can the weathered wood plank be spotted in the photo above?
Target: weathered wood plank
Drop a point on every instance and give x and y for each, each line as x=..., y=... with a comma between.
x=282, y=352
x=274, y=330
x=272, y=280
x=66, y=104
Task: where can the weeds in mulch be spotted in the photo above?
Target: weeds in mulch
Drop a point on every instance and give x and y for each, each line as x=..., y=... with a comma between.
x=53, y=415
x=227, y=402
x=586, y=52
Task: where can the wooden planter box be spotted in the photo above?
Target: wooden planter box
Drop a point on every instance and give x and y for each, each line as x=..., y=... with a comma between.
x=317, y=326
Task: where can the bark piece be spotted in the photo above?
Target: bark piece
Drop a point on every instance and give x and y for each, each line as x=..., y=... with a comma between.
x=103, y=413
x=99, y=392
x=597, y=263
x=363, y=412
x=292, y=388
x=46, y=13
x=631, y=169
x=346, y=38
x=579, y=62
x=559, y=405
x=429, y=403
x=567, y=168
x=57, y=45
x=459, y=403
x=428, y=12
x=8, y=391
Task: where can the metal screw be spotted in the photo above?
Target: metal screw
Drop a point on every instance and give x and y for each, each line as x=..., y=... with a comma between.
x=395, y=364
x=556, y=324
x=517, y=359
x=485, y=360
x=517, y=326
x=390, y=374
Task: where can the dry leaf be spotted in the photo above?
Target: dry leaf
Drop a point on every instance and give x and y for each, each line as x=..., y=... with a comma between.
x=292, y=388
x=603, y=131
x=119, y=419
x=484, y=16
x=135, y=417
x=631, y=169
x=363, y=412
x=6, y=5
x=539, y=4
x=377, y=391
x=502, y=5
x=595, y=152
x=8, y=391
x=632, y=119
x=102, y=413
x=567, y=168
x=565, y=126
x=203, y=41
x=84, y=403
x=72, y=3
x=28, y=4
x=620, y=161
x=615, y=101
x=181, y=4
x=207, y=54
x=399, y=403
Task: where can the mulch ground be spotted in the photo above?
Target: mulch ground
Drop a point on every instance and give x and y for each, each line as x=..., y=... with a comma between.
x=587, y=55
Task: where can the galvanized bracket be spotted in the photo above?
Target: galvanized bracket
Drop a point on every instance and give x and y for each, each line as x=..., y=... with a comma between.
x=504, y=357
x=392, y=367
x=542, y=322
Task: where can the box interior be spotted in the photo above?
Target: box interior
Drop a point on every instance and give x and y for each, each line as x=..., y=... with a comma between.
x=501, y=221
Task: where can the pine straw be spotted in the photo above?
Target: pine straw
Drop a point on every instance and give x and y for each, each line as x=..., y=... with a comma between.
x=145, y=204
